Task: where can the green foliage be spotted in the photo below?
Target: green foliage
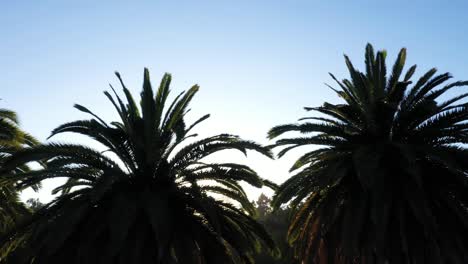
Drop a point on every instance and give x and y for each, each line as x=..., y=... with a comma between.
x=388, y=183
x=149, y=198
x=276, y=223
x=12, y=210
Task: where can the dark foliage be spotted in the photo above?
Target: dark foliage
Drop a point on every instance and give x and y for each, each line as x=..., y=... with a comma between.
x=34, y=204
x=12, y=210
x=389, y=181
x=148, y=197
x=276, y=223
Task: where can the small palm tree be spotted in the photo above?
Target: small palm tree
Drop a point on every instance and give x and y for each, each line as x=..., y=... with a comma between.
x=12, y=210
x=388, y=183
x=149, y=197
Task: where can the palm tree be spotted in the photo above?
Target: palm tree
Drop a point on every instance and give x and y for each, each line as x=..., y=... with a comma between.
x=388, y=183
x=12, y=210
x=148, y=198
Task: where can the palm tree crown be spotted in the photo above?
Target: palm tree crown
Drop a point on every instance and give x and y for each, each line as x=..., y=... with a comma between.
x=147, y=198
x=389, y=182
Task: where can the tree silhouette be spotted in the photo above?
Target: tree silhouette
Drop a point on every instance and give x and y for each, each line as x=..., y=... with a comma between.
x=148, y=197
x=388, y=183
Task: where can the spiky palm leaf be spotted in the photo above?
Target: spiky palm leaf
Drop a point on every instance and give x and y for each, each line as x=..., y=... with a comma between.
x=389, y=181
x=149, y=197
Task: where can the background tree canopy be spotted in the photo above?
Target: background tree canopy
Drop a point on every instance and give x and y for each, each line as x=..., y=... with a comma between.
x=276, y=223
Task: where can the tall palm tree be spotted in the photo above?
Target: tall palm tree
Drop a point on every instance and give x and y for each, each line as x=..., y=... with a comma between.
x=149, y=197
x=388, y=182
x=12, y=138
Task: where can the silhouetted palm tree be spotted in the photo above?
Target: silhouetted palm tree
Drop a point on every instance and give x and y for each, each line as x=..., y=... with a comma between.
x=389, y=182
x=148, y=197
x=12, y=138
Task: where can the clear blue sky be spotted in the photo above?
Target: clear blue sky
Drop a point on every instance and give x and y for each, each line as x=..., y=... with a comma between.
x=257, y=62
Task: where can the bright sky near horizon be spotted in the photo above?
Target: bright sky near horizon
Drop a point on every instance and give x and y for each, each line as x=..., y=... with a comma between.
x=258, y=62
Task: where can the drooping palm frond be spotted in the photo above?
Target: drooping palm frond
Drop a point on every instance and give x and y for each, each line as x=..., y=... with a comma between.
x=151, y=197
x=388, y=182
